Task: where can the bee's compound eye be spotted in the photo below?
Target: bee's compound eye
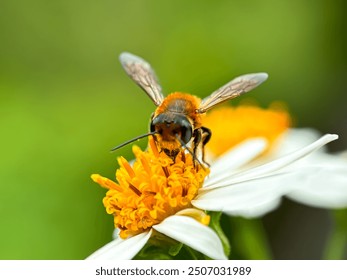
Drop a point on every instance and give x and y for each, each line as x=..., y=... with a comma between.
x=184, y=128
x=186, y=132
x=152, y=127
x=155, y=122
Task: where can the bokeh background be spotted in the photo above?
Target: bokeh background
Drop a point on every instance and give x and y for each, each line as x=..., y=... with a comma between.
x=65, y=101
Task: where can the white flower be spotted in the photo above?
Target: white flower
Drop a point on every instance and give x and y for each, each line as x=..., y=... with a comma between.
x=229, y=188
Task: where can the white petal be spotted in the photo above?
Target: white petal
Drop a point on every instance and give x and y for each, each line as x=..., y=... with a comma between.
x=294, y=139
x=258, y=210
x=288, y=142
x=115, y=233
x=321, y=177
x=248, y=199
x=274, y=165
x=321, y=185
x=121, y=249
x=239, y=155
x=235, y=158
x=194, y=234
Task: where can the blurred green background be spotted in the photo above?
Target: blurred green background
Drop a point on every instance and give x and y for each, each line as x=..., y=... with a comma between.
x=65, y=101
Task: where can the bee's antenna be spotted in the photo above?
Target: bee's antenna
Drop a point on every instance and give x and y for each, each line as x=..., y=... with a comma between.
x=133, y=140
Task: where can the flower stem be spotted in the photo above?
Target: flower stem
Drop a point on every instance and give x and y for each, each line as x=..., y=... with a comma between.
x=250, y=240
x=215, y=224
x=336, y=247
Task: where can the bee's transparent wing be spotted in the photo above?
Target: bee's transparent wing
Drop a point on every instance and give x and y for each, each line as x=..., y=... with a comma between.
x=143, y=75
x=234, y=88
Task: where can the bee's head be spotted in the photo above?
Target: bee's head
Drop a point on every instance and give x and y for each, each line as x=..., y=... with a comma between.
x=172, y=126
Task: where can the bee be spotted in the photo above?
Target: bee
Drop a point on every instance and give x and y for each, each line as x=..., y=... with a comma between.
x=177, y=121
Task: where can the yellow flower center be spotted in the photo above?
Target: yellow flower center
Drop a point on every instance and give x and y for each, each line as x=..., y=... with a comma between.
x=154, y=188
x=232, y=125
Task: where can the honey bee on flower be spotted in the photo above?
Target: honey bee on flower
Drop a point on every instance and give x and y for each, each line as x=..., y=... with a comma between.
x=177, y=121
x=163, y=198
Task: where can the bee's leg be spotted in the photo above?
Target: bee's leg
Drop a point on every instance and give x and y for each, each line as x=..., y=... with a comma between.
x=183, y=145
x=201, y=136
x=206, y=136
x=197, y=137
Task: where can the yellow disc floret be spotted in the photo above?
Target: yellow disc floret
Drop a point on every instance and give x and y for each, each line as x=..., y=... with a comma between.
x=232, y=125
x=154, y=188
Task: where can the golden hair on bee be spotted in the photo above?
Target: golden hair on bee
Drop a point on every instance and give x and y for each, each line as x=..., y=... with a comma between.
x=183, y=103
x=177, y=121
